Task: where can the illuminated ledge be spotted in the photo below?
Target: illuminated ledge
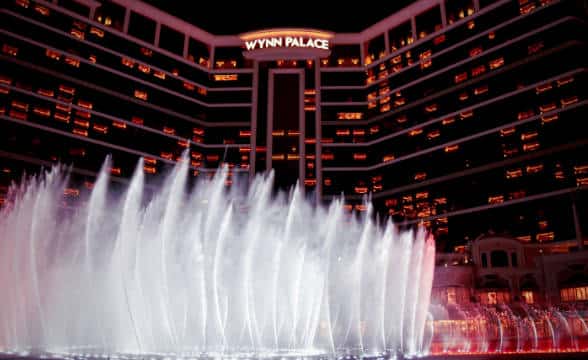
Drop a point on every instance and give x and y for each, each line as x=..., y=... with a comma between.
x=275, y=44
x=266, y=33
x=286, y=53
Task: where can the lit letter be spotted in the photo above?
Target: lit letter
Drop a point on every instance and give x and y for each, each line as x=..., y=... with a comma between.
x=250, y=45
x=289, y=40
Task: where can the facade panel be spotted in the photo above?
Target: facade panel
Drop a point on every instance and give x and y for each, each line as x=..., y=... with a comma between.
x=462, y=116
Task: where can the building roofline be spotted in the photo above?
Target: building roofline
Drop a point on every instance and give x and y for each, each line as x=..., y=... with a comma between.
x=167, y=19
x=211, y=39
x=397, y=18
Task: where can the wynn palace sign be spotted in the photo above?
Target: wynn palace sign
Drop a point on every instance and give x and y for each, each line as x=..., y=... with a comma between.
x=286, y=44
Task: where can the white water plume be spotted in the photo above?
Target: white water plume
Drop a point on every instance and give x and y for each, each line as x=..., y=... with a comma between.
x=205, y=270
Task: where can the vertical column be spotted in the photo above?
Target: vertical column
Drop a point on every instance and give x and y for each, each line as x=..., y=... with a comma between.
x=361, y=53
x=413, y=28
x=476, y=5
x=543, y=278
x=186, y=45
x=515, y=289
x=254, y=96
x=443, y=13
x=577, y=225
x=157, y=34
x=212, y=57
x=270, y=121
x=551, y=269
x=127, y=20
x=386, y=42
x=301, y=133
x=318, y=131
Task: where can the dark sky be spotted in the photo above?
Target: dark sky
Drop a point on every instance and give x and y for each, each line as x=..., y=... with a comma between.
x=223, y=17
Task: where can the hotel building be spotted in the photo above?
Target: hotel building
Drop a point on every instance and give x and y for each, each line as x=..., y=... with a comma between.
x=467, y=116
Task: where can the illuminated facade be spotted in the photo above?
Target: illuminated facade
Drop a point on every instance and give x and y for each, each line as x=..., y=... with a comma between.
x=465, y=115
x=496, y=270
x=499, y=294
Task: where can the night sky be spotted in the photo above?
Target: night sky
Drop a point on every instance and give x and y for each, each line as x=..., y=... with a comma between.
x=225, y=18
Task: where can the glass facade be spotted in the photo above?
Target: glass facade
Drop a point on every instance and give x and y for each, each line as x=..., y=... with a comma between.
x=463, y=116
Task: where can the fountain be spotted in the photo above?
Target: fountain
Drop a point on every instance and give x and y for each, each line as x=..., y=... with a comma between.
x=517, y=328
x=204, y=272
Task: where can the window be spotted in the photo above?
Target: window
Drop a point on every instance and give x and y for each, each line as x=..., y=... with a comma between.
x=52, y=54
x=361, y=189
x=128, y=62
x=375, y=49
x=420, y=176
x=461, y=77
x=484, y=260
x=495, y=64
x=478, y=70
x=481, y=90
x=71, y=61
x=359, y=156
x=43, y=112
x=459, y=9
x=145, y=69
x=349, y=116
x=545, y=236
x=149, y=169
x=491, y=297
x=169, y=130
x=499, y=258
x=528, y=296
x=97, y=32
x=524, y=238
x=574, y=294
x=110, y=14
x=451, y=296
x=198, y=52
x=142, y=27
x=526, y=7
x=514, y=173
x=532, y=146
x=225, y=77
x=171, y=40
x=140, y=94
x=428, y=22
x=75, y=7
x=494, y=297
x=569, y=101
x=533, y=169
x=529, y=135
x=498, y=199
x=434, y=134
x=564, y=81
x=400, y=36
x=229, y=58
x=525, y=114
x=78, y=33
x=345, y=55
